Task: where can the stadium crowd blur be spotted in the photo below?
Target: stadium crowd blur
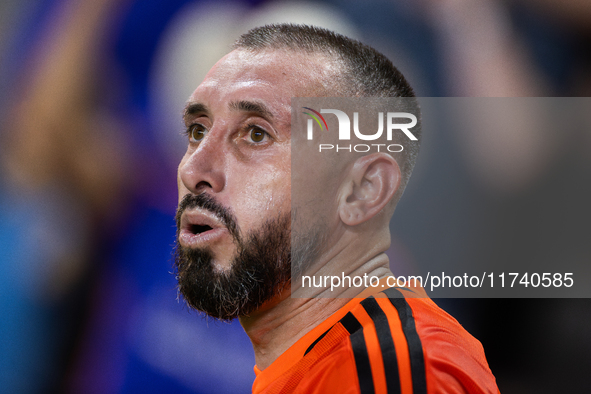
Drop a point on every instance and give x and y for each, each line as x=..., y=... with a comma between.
x=91, y=94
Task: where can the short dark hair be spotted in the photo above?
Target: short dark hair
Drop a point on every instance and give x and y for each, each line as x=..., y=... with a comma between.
x=367, y=72
x=372, y=74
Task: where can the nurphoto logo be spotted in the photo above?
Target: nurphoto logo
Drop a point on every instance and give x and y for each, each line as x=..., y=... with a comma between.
x=344, y=133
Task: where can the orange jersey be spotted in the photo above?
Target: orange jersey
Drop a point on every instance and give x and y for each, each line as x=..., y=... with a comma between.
x=396, y=341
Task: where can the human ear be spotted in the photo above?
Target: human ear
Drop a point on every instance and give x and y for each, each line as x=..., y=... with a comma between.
x=370, y=184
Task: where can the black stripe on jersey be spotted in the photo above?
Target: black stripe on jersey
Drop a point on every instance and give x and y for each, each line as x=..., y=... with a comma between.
x=362, y=362
x=415, y=347
x=350, y=323
x=380, y=321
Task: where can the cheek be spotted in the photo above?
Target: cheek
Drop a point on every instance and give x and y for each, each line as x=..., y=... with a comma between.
x=264, y=193
x=315, y=194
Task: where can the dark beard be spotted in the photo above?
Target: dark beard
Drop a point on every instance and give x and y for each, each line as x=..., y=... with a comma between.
x=260, y=270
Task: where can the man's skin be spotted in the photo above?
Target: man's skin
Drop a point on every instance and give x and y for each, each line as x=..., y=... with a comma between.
x=243, y=160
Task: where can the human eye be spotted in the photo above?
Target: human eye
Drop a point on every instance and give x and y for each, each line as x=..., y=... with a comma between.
x=256, y=134
x=196, y=132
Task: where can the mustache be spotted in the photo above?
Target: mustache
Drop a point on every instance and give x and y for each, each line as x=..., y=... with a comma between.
x=208, y=203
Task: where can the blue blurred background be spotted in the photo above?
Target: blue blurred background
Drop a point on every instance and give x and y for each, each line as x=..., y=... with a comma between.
x=91, y=94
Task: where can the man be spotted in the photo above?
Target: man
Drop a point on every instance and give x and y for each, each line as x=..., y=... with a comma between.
x=245, y=215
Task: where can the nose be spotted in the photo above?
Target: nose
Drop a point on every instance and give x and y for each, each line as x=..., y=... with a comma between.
x=202, y=168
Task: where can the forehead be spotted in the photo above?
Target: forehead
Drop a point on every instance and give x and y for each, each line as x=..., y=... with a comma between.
x=273, y=76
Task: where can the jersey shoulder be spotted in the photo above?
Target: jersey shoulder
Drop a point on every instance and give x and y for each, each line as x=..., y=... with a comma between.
x=401, y=342
x=391, y=342
x=455, y=361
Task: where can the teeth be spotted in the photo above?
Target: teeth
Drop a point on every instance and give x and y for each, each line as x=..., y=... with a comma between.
x=198, y=229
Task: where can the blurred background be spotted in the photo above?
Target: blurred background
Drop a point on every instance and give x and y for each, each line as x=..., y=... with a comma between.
x=91, y=94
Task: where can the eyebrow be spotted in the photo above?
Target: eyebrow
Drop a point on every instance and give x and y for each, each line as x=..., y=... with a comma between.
x=253, y=107
x=242, y=105
x=194, y=108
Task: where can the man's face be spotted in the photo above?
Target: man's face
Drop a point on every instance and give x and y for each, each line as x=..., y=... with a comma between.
x=234, y=181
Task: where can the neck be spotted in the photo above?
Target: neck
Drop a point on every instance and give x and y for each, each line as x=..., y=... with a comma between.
x=283, y=321
x=273, y=330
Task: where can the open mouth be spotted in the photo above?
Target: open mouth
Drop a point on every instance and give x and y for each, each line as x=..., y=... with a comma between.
x=199, y=228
